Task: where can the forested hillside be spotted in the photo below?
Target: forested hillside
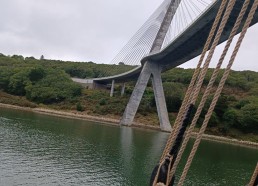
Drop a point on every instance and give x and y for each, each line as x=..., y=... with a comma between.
x=47, y=83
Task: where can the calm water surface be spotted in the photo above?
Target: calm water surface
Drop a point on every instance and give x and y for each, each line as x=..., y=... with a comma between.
x=42, y=150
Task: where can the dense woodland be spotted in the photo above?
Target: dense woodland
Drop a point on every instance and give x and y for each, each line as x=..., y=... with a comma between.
x=46, y=83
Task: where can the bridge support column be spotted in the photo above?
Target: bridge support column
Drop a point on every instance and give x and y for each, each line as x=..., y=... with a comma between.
x=112, y=88
x=160, y=100
x=149, y=69
x=123, y=89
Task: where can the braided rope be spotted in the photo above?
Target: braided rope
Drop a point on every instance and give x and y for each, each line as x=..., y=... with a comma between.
x=155, y=182
x=254, y=177
x=160, y=184
x=209, y=87
x=186, y=102
x=156, y=177
x=212, y=50
x=218, y=92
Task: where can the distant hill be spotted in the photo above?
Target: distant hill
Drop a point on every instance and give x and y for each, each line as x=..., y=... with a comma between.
x=47, y=82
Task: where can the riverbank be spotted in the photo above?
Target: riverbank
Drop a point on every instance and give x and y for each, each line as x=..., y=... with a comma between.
x=113, y=121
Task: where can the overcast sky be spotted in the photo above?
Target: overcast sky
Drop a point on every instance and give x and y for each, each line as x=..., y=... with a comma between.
x=86, y=30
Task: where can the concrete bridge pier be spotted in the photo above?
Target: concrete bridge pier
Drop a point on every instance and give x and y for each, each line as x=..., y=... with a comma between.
x=112, y=88
x=123, y=89
x=154, y=70
x=160, y=99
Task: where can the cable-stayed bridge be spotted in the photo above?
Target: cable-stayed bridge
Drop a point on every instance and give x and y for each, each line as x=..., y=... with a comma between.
x=175, y=33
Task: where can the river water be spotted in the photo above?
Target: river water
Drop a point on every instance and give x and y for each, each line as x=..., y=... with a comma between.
x=44, y=150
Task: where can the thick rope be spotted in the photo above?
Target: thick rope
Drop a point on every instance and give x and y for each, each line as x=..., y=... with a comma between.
x=160, y=184
x=186, y=103
x=212, y=50
x=218, y=92
x=165, y=167
x=254, y=177
x=156, y=177
x=209, y=87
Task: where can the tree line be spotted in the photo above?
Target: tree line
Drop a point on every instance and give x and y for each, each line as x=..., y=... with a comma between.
x=49, y=82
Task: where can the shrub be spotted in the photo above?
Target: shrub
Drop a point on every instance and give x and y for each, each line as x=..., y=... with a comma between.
x=249, y=118
x=79, y=107
x=103, y=101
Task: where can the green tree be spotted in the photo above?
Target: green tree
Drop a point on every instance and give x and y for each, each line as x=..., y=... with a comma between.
x=36, y=74
x=249, y=118
x=54, y=87
x=173, y=95
x=5, y=75
x=18, y=57
x=222, y=105
x=18, y=82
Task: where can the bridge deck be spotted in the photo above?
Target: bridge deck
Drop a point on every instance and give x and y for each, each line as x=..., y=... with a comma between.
x=188, y=44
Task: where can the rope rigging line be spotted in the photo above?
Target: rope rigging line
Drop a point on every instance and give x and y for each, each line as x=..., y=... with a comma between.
x=218, y=92
x=254, y=178
x=169, y=160
x=210, y=85
x=185, y=104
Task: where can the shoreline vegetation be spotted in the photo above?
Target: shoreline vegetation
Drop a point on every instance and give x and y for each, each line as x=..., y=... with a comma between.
x=46, y=86
x=115, y=122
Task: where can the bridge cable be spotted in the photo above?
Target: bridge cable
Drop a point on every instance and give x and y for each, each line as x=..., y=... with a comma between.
x=137, y=56
x=143, y=39
x=203, y=2
x=196, y=7
x=186, y=7
x=130, y=54
x=140, y=33
x=184, y=16
x=192, y=8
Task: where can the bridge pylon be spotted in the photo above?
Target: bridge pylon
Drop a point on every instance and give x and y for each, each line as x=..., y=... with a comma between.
x=150, y=70
x=153, y=69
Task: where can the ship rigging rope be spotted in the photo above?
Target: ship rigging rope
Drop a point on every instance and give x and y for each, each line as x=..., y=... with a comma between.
x=254, y=179
x=185, y=104
x=191, y=97
x=182, y=110
x=218, y=91
x=210, y=85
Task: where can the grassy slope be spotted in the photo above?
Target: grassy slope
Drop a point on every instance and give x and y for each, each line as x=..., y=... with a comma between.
x=92, y=102
x=241, y=85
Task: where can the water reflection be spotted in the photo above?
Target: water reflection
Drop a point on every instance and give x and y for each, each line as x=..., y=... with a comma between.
x=42, y=150
x=126, y=144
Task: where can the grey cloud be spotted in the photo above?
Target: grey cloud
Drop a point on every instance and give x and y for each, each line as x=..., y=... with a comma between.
x=84, y=30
